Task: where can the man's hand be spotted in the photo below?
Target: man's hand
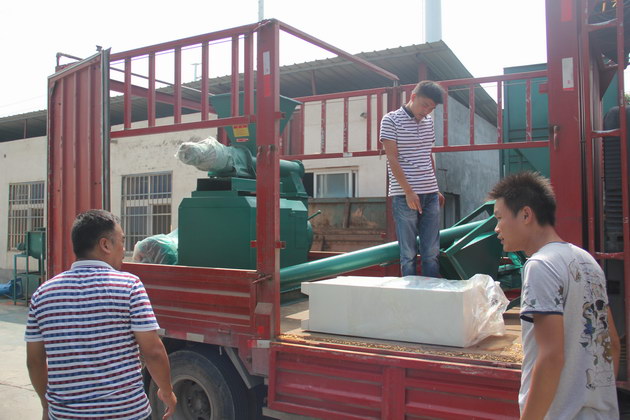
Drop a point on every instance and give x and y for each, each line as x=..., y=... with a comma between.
x=38, y=371
x=170, y=400
x=441, y=199
x=413, y=201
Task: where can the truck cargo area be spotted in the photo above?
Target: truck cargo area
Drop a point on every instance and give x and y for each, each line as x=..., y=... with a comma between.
x=504, y=351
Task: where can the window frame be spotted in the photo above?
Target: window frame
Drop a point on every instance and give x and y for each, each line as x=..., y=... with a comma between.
x=352, y=183
x=29, y=204
x=145, y=195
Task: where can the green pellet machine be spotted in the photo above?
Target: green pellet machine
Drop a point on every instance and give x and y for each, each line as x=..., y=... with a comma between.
x=217, y=224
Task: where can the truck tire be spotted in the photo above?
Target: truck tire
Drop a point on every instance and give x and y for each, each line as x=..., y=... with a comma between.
x=206, y=388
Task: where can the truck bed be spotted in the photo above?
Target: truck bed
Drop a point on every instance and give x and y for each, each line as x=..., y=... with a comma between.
x=501, y=350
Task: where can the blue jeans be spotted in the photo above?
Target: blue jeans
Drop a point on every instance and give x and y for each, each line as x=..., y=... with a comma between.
x=426, y=226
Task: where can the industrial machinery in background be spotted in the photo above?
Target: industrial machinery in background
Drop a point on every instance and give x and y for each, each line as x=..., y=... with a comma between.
x=217, y=224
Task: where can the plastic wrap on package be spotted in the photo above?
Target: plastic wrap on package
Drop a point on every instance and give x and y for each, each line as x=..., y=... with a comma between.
x=418, y=309
x=488, y=313
x=205, y=155
x=157, y=249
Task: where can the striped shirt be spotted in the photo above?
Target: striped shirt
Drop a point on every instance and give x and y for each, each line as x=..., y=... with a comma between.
x=414, y=140
x=86, y=318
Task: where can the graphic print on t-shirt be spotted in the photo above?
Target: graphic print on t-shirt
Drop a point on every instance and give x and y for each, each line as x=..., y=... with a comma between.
x=595, y=337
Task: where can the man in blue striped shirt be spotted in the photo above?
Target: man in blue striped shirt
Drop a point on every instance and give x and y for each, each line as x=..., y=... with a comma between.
x=408, y=135
x=87, y=328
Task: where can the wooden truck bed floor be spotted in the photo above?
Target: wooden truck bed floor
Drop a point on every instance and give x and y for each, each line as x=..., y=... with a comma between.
x=504, y=349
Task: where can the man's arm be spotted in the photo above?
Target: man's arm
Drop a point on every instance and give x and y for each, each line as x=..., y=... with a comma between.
x=549, y=334
x=391, y=150
x=615, y=344
x=156, y=359
x=38, y=371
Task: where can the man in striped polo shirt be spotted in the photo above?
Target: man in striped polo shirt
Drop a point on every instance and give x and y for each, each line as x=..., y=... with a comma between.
x=408, y=135
x=86, y=328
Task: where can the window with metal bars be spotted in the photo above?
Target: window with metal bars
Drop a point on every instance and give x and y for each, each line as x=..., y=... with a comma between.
x=146, y=206
x=26, y=211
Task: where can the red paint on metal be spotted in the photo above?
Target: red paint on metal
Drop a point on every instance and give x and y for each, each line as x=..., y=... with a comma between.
x=368, y=121
x=205, y=88
x=345, y=124
x=445, y=118
x=184, y=42
x=127, y=95
x=268, y=168
x=151, y=94
x=162, y=97
x=301, y=139
x=625, y=198
x=74, y=154
x=235, y=81
x=587, y=98
x=342, y=380
x=493, y=79
x=379, y=117
x=564, y=108
x=322, y=140
x=528, y=110
x=206, y=301
x=499, y=112
x=248, y=105
x=341, y=95
x=609, y=255
x=394, y=396
x=182, y=127
x=178, y=86
x=566, y=12
x=436, y=149
x=471, y=104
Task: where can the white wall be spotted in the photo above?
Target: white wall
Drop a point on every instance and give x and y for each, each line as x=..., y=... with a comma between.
x=20, y=161
x=357, y=131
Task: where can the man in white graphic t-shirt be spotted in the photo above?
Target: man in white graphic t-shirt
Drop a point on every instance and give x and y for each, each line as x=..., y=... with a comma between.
x=570, y=343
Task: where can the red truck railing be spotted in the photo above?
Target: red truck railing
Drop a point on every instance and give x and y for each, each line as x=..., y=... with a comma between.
x=380, y=101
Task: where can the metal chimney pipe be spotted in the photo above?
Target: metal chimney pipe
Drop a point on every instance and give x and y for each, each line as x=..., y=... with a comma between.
x=432, y=20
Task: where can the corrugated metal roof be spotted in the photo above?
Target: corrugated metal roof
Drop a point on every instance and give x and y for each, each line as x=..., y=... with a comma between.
x=330, y=75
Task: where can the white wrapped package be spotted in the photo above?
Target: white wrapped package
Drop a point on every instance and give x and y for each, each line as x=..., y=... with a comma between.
x=205, y=155
x=417, y=309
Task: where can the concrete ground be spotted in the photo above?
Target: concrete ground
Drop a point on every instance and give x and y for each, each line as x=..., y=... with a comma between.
x=18, y=400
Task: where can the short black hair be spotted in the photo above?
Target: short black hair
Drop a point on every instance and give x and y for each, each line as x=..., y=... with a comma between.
x=430, y=89
x=89, y=227
x=528, y=189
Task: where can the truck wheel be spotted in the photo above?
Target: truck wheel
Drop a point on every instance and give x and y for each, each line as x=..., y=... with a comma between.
x=206, y=389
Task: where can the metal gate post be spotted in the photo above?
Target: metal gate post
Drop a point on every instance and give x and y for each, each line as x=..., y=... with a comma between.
x=268, y=173
x=565, y=151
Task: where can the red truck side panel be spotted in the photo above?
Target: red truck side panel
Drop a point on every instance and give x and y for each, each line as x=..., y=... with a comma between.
x=342, y=384
x=201, y=304
x=75, y=152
